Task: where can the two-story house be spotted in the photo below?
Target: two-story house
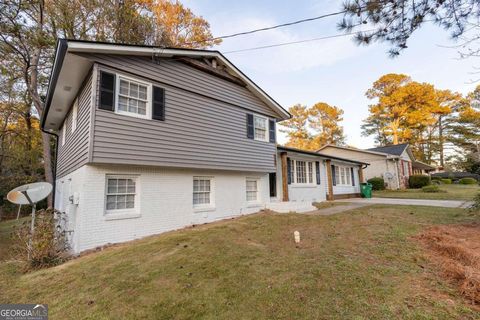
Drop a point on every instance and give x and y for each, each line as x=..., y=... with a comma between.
x=153, y=139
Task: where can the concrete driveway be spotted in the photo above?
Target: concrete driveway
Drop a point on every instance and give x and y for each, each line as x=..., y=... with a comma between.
x=410, y=202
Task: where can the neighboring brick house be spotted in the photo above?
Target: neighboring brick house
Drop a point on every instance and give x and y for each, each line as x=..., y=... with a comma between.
x=404, y=163
x=392, y=163
x=155, y=139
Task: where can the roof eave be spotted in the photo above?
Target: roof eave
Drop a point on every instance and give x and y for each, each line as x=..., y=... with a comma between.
x=60, y=52
x=313, y=153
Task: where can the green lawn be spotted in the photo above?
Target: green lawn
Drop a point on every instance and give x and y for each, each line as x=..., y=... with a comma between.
x=362, y=264
x=451, y=192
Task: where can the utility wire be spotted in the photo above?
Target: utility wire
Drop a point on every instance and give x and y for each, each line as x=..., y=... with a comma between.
x=271, y=27
x=296, y=42
x=280, y=25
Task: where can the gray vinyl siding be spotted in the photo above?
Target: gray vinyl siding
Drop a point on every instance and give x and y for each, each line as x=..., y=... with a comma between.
x=74, y=153
x=198, y=131
x=178, y=74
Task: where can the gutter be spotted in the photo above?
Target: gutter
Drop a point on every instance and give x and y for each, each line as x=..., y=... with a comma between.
x=54, y=165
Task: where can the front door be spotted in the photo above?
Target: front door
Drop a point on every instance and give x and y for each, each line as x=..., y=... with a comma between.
x=272, y=177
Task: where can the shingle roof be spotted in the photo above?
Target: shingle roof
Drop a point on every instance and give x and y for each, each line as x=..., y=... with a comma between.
x=318, y=154
x=421, y=165
x=396, y=149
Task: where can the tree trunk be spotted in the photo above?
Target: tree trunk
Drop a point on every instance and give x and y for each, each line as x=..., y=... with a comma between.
x=440, y=141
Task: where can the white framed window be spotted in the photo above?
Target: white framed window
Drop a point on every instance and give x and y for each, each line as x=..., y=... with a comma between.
x=260, y=126
x=133, y=97
x=64, y=134
x=252, y=189
x=203, y=192
x=74, y=115
x=343, y=176
x=303, y=172
x=121, y=194
x=310, y=172
x=348, y=175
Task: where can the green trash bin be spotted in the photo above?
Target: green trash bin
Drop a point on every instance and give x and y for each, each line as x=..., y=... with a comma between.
x=366, y=190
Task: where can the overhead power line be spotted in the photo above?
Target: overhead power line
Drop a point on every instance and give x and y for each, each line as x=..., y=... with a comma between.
x=271, y=27
x=296, y=42
x=279, y=25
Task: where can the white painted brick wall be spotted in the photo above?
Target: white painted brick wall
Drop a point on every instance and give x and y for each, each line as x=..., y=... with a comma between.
x=298, y=193
x=165, y=202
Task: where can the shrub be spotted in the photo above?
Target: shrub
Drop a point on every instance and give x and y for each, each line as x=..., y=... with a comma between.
x=377, y=183
x=436, y=178
x=446, y=181
x=418, y=181
x=48, y=246
x=431, y=189
x=476, y=204
x=468, y=181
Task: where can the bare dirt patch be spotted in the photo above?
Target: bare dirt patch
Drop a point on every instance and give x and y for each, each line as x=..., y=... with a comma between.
x=456, y=248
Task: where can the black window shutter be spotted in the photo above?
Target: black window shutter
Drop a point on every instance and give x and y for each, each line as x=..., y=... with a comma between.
x=289, y=170
x=334, y=179
x=271, y=130
x=158, y=103
x=317, y=171
x=107, y=91
x=353, y=177
x=250, y=132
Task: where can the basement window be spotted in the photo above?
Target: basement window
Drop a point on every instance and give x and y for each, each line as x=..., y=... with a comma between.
x=252, y=189
x=121, y=194
x=203, y=193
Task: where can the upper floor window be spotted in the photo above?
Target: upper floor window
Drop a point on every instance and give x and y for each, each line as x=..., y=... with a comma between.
x=74, y=115
x=132, y=97
x=64, y=133
x=261, y=128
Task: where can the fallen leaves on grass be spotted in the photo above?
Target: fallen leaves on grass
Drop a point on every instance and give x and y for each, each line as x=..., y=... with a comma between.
x=456, y=248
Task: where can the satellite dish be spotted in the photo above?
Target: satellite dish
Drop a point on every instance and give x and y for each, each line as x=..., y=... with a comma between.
x=388, y=175
x=30, y=193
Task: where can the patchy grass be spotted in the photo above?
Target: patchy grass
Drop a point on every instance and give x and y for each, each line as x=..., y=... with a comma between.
x=6, y=228
x=329, y=204
x=363, y=264
x=447, y=192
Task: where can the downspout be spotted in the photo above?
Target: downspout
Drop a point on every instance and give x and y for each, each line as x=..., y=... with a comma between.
x=54, y=164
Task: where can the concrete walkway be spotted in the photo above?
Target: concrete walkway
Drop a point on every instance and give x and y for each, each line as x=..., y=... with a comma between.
x=409, y=202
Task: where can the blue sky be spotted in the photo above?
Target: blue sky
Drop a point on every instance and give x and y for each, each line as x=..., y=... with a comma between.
x=336, y=71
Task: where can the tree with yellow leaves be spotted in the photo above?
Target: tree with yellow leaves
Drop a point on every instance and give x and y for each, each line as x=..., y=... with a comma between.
x=311, y=128
x=29, y=30
x=407, y=111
